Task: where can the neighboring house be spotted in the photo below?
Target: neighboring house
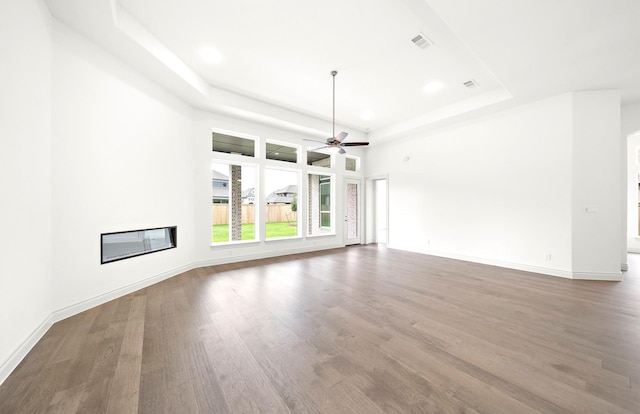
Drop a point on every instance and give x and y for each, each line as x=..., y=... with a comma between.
x=283, y=196
x=220, y=190
x=249, y=196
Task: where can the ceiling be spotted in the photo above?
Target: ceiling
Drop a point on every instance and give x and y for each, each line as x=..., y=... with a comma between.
x=275, y=57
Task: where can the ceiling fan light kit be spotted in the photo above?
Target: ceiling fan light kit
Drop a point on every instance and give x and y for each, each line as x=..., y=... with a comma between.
x=335, y=143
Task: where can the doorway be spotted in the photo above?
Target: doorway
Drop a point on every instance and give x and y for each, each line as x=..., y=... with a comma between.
x=380, y=201
x=377, y=210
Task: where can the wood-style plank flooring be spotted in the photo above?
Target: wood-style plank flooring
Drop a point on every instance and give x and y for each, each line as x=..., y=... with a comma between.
x=358, y=330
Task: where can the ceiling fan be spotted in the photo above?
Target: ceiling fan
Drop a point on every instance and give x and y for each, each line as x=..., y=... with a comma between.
x=336, y=142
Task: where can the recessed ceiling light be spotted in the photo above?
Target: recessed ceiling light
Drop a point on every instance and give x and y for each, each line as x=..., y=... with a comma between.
x=210, y=55
x=433, y=87
x=367, y=115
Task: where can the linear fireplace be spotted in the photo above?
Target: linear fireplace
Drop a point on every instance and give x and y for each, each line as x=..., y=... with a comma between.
x=125, y=244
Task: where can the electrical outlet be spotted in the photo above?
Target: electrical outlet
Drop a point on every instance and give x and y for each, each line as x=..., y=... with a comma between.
x=547, y=256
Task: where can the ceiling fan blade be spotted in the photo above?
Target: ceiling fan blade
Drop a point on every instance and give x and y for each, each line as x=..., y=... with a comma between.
x=314, y=140
x=342, y=151
x=354, y=144
x=319, y=148
x=341, y=136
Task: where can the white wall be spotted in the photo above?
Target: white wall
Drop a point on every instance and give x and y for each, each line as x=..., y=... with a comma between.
x=25, y=177
x=205, y=253
x=496, y=190
x=122, y=160
x=596, y=185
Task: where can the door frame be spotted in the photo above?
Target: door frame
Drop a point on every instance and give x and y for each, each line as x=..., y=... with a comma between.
x=371, y=231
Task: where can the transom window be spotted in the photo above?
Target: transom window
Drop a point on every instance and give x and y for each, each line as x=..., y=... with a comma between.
x=233, y=145
x=351, y=163
x=318, y=159
x=281, y=152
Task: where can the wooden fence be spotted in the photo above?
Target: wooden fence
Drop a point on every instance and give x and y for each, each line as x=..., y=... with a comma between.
x=274, y=213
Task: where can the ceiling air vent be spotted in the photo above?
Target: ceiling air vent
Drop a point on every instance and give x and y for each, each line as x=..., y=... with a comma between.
x=470, y=83
x=421, y=41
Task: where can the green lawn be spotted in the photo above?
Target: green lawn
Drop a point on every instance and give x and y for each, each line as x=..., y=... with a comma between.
x=220, y=232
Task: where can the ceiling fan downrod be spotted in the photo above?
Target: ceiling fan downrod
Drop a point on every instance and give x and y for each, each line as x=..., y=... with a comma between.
x=334, y=73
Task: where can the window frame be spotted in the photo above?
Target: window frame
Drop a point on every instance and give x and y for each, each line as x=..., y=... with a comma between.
x=256, y=212
x=330, y=155
x=298, y=148
x=298, y=174
x=356, y=161
x=254, y=138
x=322, y=230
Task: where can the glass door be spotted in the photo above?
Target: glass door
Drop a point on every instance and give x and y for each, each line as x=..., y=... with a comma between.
x=352, y=211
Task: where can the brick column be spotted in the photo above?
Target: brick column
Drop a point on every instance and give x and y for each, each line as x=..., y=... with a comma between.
x=314, y=203
x=236, y=202
x=309, y=204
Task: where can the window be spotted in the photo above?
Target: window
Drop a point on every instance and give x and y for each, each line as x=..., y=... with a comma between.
x=318, y=159
x=273, y=195
x=126, y=244
x=220, y=187
x=281, y=209
x=351, y=163
x=320, y=199
x=233, y=209
x=233, y=145
x=325, y=201
x=281, y=152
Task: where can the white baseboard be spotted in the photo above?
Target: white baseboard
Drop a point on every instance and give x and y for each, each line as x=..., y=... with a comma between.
x=7, y=366
x=14, y=359
x=611, y=277
x=264, y=255
x=87, y=304
x=567, y=274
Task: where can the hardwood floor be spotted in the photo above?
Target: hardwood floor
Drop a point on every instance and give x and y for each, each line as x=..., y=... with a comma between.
x=356, y=330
